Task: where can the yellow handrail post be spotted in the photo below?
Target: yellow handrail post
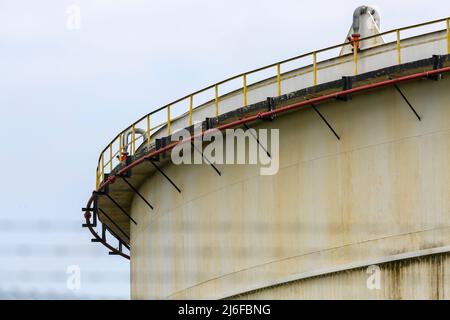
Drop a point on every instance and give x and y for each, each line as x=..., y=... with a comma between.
x=133, y=140
x=102, y=172
x=120, y=146
x=279, y=78
x=168, y=120
x=245, y=88
x=448, y=35
x=110, y=158
x=315, y=67
x=355, y=57
x=148, y=129
x=97, y=178
x=216, y=99
x=191, y=106
x=399, y=57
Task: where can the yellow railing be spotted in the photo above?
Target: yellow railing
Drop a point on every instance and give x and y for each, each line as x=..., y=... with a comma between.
x=120, y=147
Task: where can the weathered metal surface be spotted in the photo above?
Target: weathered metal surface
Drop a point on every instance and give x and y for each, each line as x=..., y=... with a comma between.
x=123, y=193
x=425, y=277
x=380, y=190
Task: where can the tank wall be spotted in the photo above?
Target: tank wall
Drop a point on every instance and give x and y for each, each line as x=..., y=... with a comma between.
x=379, y=191
x=419, y=278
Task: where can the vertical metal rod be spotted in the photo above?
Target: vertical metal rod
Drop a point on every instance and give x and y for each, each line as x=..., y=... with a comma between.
x=399, y=56
x=407, y=101
x=326, y=122
x=110, y=158
x=315, y=67
x=244, y=77
x=207, y=160
x=216, y=99
x=168, y=120
x=126, y=246
x=118, y=239
x=165, y=176
x=120, y=146
x=112, y=221
x=136, y=191
x=448, y=35
x=118, y=251
x=279, y=78
x=191, y=106
x=133, y=139
x=103, y=166
x=104, y=232
x=94, y=212
x=148, y=129
x=97, y=178
x=355, y=56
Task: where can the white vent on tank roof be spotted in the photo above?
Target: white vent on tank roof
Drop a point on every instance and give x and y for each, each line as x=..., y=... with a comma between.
x=366, y=23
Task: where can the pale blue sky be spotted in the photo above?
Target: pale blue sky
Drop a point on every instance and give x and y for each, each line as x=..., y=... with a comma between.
x=65, y=93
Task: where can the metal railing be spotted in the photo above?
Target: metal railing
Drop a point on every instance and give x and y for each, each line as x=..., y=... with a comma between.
x=114, y=150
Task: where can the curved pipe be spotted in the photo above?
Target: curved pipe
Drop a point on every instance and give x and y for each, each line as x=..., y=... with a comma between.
x=126, y=137
x=261, y=115
x=357, y=17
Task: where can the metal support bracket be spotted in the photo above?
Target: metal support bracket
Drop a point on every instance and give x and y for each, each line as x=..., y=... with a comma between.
x=103, y=239
x=347, y=84
x=115, y=202
x=159, y=143
x=113, y=222
x=121, y=245
x=257, y=140
x=270, y=106
x=94, y=211
x=326, y=122
x=136, y=191
x=209, y=123
x=128, y=160
x=206, y=159
x=438, y=63
x=164, y=175
x=407, y=101
x=103, y=232
x=113, y=253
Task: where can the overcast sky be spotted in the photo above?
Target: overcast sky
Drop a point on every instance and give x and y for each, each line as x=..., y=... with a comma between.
x=64, y=93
